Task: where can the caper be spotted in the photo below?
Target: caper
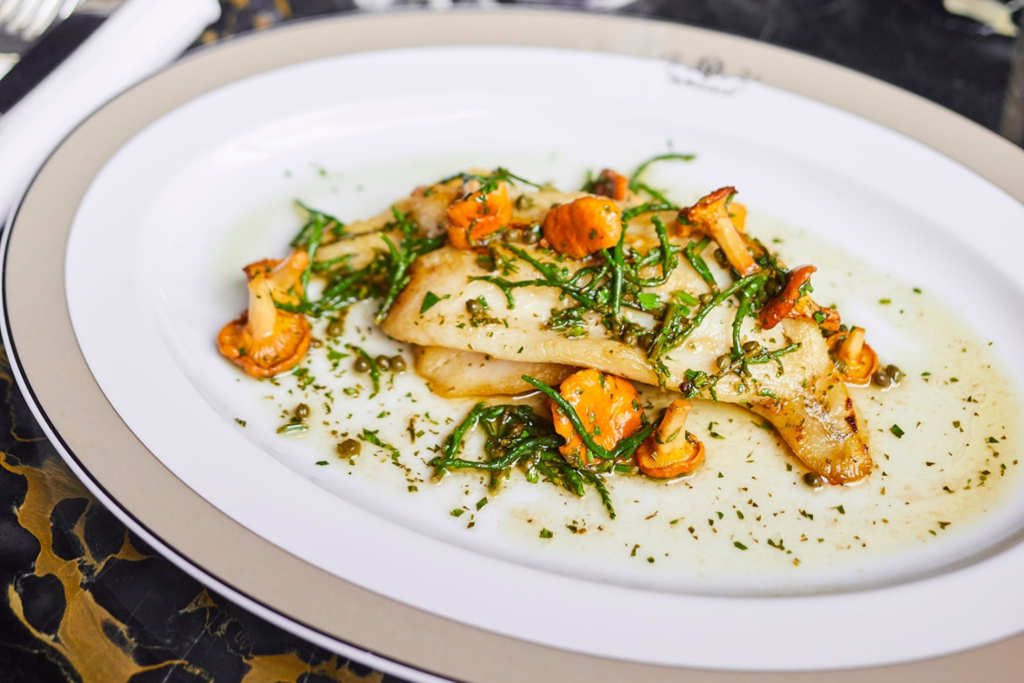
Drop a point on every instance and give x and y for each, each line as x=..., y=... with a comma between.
x=315, y=343
x=349, y=448
x=723, y=361
x=531, y=237
x=645, y=341
x=513, y=235
x=335, y=329
x=383, y=362
x=628, y=338
x=772, y=287
x=361, y=365
x=813, y=480
x=706, y=298
x=523, y=202
x=720, y=258
x=751, y=347
x=895, y=373
x=844, y=328
x=302, y=411
x=398, y=364
x=882, y=378
x=686, y=387
x=474, y=307
x=487, y=262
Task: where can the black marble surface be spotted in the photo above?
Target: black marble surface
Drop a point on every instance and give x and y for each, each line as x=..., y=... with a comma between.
x=85, y=600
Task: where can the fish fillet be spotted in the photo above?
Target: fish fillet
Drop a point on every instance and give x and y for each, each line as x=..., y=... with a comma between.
x=801, y=396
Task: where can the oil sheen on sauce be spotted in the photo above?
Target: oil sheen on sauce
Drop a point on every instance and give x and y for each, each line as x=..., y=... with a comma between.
x=745, y=522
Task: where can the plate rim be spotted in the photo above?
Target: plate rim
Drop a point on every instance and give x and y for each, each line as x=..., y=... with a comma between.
x=531, y=28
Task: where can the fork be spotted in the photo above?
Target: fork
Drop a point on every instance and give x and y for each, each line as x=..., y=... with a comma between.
x=29, y=19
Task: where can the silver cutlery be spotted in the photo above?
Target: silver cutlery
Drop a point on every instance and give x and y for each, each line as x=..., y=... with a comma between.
x=29, y=19
x=63, y=26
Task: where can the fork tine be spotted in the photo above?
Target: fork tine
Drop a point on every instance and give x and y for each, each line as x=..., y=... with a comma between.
x=23, y=17
x=44, y=16
x=7, y=8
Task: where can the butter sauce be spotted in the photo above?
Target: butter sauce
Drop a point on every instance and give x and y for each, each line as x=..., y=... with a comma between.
x=745, y=522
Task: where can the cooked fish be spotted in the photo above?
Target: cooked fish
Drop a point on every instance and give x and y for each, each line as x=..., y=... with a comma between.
x=799, y=392
x=454, y=372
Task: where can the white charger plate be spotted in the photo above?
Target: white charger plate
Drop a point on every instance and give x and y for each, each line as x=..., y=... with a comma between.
x=161, y=203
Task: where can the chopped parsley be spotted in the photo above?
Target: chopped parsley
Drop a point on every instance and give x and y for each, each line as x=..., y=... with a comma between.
x=430, y=299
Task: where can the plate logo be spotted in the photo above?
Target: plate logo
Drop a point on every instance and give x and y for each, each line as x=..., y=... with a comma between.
x=708, y=72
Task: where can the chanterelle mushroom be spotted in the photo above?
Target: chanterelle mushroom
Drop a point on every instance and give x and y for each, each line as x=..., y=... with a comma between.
x=264, y=341
x=586, y=226
x=794, y=301
x=476, y=216
x=608, y=406
x=855, y=361
x=284, y=277
x=711, y=215
x=671, y=450
x=611, y=184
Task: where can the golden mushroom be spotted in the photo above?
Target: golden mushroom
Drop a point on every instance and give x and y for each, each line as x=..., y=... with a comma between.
x=611, y=184
x=671, y=450
x=264, y=341
x=855, y=361
x=711, y=215
x=794, y=301
x=583, y=227
x=607, y=405
x=285, y=277
x=475, y=217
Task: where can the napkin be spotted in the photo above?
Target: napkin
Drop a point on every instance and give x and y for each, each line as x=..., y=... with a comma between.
x=139, y=38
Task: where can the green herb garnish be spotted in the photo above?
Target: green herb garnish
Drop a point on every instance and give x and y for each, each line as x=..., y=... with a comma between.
x=429, y=300
x=374, y=368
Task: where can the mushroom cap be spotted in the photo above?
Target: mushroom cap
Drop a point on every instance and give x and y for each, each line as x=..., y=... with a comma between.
x=857, y=370
x=583, y=227
x=263, y=266
x=679, y=461
x=709, y=209
x=284, y=276
x=827, y=318
x=612, y=185
x=792, y=303
x=473, y=218
x=782, y=305
x=711, y=216
x=663, y=455
x=604, y=403
x=276, y=353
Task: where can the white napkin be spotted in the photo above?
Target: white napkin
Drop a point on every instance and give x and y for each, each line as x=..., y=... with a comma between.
x=139, y=38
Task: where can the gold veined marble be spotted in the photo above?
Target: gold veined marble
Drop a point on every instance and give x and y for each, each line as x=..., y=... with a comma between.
x=284, y=8
x=91, y=641
x=290, y=667
x=82, y=636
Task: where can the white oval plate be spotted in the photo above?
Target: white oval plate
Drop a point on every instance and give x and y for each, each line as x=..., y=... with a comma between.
x=157, y=240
